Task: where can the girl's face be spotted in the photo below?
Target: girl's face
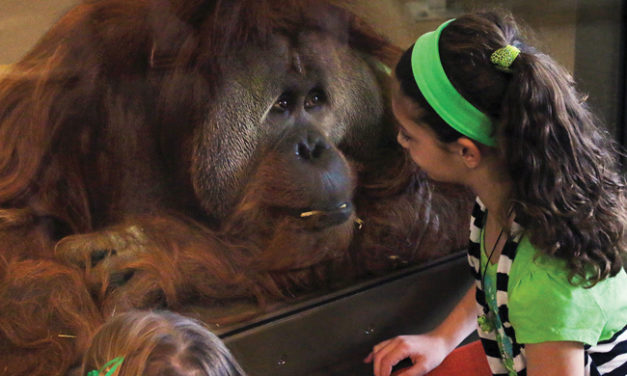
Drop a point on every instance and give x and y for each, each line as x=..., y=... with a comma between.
x=432, y=156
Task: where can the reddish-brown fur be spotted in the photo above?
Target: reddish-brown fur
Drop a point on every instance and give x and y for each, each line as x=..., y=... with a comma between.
x=98, y=213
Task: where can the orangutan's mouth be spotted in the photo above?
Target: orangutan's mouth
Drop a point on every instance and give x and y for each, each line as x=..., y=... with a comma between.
x=312, y=213
x=327, y=218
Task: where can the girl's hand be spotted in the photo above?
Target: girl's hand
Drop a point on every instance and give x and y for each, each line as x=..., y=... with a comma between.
x=426, y=352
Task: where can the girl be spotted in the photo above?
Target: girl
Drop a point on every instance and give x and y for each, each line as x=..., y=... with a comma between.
x=478, y=106
x=157, y=343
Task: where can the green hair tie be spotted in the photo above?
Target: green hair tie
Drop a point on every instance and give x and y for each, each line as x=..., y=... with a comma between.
x=504, y=57
x=440, y=93
x=114, y=364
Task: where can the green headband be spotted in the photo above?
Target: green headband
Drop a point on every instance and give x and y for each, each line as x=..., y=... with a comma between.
x=114, y=364
x=447, y=102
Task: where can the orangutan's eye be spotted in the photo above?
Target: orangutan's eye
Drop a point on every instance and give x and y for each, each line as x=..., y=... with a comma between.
x=315, y=99
x=282, y=104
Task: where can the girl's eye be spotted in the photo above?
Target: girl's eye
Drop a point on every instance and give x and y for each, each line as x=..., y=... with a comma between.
x=403, y=135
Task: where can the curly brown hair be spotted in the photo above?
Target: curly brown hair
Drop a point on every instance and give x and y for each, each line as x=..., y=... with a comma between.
x=568, y=191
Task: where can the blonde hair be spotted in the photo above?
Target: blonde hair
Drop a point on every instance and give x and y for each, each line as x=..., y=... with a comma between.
x=157, y=343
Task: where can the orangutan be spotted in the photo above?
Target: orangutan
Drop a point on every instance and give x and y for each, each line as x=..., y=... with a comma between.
x=163, y=153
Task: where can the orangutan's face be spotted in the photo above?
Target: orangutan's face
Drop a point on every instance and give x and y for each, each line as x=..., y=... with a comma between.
x=289, y=116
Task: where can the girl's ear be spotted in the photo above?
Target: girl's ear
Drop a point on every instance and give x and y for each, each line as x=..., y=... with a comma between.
x=468, y=151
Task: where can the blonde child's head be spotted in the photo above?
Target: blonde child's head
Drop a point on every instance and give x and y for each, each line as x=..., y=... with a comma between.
x=153, y=343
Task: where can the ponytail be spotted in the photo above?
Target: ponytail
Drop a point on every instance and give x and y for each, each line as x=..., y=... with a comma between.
x=567, y=191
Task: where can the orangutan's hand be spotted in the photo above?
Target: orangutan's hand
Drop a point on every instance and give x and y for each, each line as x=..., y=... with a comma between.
x=103, y=250
x=122, y=267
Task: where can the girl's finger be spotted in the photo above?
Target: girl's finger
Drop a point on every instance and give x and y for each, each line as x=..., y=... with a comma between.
x=375, y=349
x=388, y=357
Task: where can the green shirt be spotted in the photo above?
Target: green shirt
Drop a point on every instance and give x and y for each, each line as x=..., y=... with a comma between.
x=544, y=306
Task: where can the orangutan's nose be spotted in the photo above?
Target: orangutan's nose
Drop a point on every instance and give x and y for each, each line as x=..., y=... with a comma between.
x=311, y=146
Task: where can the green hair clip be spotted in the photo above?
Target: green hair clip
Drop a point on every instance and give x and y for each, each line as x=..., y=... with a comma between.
x=114, y=364
x=504, y=57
